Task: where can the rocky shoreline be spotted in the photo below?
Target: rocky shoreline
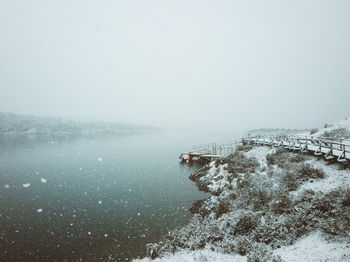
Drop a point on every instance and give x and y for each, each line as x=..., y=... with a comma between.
x=264, y=201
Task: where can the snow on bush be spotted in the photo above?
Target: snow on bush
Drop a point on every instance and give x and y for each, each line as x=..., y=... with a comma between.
x=315, y=248
x=258, y=206
x=340, y=129
x=205, y=255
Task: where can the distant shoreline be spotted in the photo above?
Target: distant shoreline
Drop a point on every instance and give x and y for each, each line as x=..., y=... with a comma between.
x=21, y=125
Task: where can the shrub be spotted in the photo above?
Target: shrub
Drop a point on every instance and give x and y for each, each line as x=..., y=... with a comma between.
x=153, y=250
x=340, y=132
x=280, y=230
x=223, y=208
x=281, y=204
x=239, y=163
x=272, y=158
x=246, y=224
x=199, y=173
x=242, y=245
x=346, y=200
x=313, y=131
x=243, y=182
x=277, y=158
x=282, y=158
x=197, y=208
x=232, y=196
x=289, y=180
x=260, y=192
x=306, y=172
x=196, y=177
x=332, y=212
x=297, y=158
x=259, y=198
x=262, y=253
x=244, y=148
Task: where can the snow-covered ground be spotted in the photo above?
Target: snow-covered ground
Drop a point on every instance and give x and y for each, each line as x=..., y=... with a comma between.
x=334, y=128
x=315, y=248
x=344, y=123
x=216, y=177
x=260, y=153
x=204, y=255
x=334, y=179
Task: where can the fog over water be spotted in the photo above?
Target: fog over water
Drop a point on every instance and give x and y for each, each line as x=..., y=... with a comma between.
x=91, y=198
x=187, y=64
x=201, y=70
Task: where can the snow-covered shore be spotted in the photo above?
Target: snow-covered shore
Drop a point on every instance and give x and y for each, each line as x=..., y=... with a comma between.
x=267, y=204
x=196, y=256
x=312, y=248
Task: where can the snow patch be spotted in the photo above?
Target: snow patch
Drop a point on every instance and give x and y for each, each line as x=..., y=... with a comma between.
x=314, y=248
x=334, y=178
x=205, y=255
x=216, y=178
x=260, y=152
x=344, y=123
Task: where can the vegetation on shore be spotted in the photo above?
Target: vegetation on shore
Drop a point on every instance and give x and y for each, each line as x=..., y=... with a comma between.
x=340, y=129
x=257, y=205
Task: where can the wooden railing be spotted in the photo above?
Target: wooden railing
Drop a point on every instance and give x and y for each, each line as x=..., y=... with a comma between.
x=223, y=148
x=331, y=148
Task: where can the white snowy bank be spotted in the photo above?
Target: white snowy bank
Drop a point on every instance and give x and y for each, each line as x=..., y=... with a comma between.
x=297, y=207
x=341, y=124
x=311, y=248
x=315, y=248
x=197, y=256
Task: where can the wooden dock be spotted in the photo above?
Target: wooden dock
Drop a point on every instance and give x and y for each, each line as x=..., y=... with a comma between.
x=329, y=148
x=209, y=152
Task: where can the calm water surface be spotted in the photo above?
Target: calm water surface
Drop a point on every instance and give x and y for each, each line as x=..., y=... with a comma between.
x=92, y=198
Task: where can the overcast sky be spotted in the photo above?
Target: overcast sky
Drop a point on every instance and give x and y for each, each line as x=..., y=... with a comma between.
x=177, y=63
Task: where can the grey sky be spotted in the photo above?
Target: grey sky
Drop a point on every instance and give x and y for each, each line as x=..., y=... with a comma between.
x=177, y=63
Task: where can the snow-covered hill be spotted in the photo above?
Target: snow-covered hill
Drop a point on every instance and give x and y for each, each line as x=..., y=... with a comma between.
x=267, y=204
x=340, y=129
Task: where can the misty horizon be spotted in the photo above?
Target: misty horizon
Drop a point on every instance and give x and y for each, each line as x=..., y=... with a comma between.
x=183, y=64
x=174, y=130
